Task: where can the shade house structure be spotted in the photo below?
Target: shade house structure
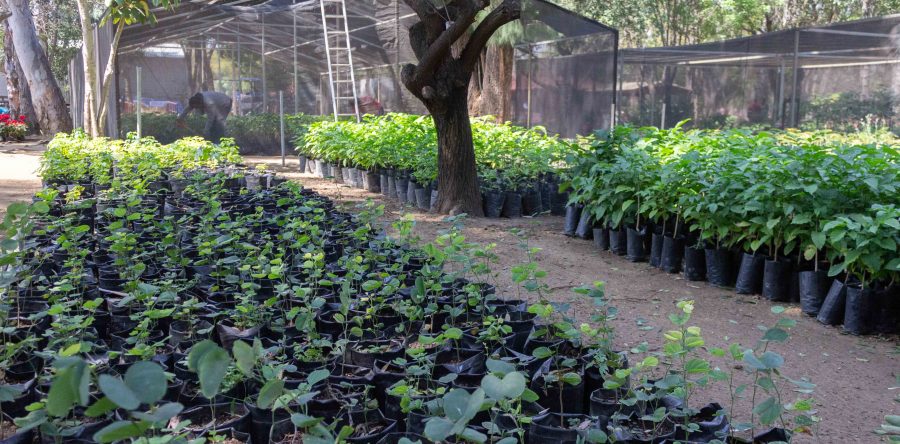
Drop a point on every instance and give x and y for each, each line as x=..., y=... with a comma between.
x=838, y=76
x=342, y=58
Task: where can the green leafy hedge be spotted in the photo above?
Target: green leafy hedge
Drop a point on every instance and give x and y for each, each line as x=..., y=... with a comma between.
x=821, y=194
x=254, y=134
x=508, y=156
x=76, y=158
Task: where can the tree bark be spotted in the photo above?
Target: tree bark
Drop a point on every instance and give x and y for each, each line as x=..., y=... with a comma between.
x=48, y=101
x=457, y=172
x=493, y=96
x=200, y=77
x=108, y=78
x=89, y=55
x=16, y=86
x=441, y=82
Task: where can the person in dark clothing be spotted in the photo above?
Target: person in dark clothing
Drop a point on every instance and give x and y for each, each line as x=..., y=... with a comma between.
x=216, y=106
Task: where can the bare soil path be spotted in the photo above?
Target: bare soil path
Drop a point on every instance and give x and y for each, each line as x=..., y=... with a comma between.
x=18, y=171
x=856, y=377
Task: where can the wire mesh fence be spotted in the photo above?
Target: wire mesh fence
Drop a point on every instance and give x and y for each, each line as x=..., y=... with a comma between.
x=840, y=77
x=566, y=72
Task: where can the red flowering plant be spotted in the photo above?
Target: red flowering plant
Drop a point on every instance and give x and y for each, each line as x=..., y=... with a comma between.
x=12, y=128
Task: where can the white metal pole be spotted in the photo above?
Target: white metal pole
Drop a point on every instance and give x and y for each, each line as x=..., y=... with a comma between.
x=140, y=102
x=281, y=125
x=612, y=115
x=662, y=120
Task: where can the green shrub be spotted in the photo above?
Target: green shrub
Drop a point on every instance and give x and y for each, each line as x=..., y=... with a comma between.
x=819, y=194
x=254, y=134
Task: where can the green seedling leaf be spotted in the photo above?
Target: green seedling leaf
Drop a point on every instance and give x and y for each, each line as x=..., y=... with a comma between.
x=269, y=393
x=70, y=386
x=768, y=410
x=118, y=392
x=147, y=381
x=120, y=431
x=244, y=357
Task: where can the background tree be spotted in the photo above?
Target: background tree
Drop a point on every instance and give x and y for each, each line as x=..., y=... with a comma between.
x=16, y=86
x=47, y=99
x=441, y=81
x=59, y=31
x=122, y=13
x=648, y=23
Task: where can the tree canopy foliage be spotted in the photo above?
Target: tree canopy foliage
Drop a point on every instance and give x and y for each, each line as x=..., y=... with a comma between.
x=647, y=23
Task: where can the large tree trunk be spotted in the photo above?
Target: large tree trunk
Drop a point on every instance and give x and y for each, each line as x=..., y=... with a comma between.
x=48, y=101
x=89, y=55
x=16, y=86
x=493, y=89
x=458, y=190
x=441, y=82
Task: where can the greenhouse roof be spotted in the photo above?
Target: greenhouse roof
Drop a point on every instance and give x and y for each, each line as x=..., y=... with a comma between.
x=857, y=43
x=378, y=28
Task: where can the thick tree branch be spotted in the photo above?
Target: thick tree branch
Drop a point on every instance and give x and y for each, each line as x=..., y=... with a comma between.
x=439, y=50
x=506, y=12
x=423, y=8
x=418, y=39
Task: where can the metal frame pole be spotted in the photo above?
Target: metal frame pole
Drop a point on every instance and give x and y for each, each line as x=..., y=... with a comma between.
x=780, y=104
x=218, y=53
x=662, y=119
x=615, y=89
x=240, y=78
x=281, y=126
x=262, y=58
x=530, y=74
x=795, y=94
x=296, y=77
x=140, y=102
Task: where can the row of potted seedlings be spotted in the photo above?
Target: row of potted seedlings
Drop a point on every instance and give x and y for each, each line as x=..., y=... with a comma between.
x=516, y=166
x=226, y=304
x=758, y=213
x=542, y=196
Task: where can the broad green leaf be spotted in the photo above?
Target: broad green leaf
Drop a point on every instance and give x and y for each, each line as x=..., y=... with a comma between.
x=9, y=392
x=211, y=369
x=438, y=429
x=768, y=410
x=542, y=353
x=147, y=381
x=772, y=360
x=244, y=357
x=775, y=335
x=69, y=387
x=120, y=431
x=269, y=393
x=118, y=392
x=510, y=387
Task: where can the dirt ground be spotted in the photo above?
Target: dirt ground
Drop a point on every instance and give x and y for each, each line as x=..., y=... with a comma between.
x=18, y=172
x=856, y=377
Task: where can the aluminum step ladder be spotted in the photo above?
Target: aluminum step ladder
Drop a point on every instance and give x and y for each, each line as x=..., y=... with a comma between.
x=341, y=77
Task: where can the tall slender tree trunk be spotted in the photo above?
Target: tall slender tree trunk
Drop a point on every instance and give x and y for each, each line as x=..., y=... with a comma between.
x=48, y=101
x=89, y=55
x=108, y=78
x=16, y=86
